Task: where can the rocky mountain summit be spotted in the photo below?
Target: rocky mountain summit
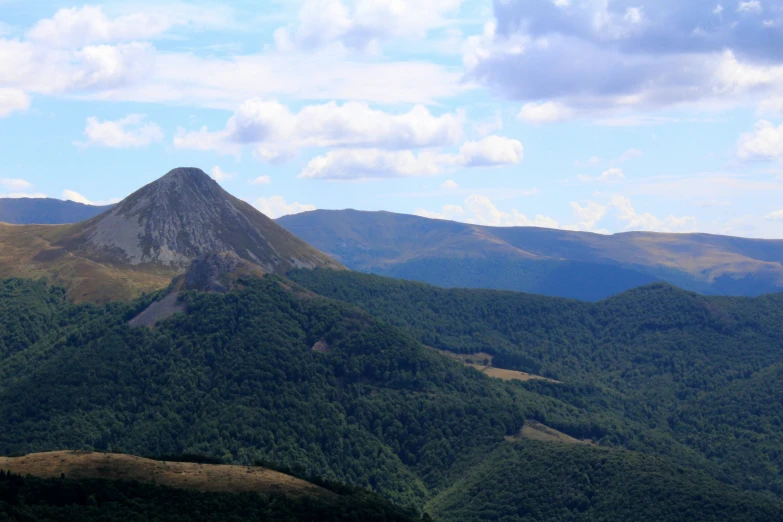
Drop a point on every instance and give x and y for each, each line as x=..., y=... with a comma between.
x=184, y=215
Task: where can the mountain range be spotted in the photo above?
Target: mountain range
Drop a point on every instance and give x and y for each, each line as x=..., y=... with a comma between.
x=247, y=346
x=578, y=265
x=562, y=263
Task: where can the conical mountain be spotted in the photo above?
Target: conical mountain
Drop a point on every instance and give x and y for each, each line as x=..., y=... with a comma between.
x=185, y=215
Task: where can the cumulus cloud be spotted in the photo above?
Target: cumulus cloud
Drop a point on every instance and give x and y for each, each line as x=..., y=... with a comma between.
x=129, y=132
x=775, y=216
x=261, y=180
x=360, y=164
x=480, y=210
x=363, y=164
x=220, y=175
x=276, y=206
x=491, y=151
x=363, y=24
x=277, y=132
x=647, y=221
x=654, y=54
x=449, y=184
x=588, y=215
x=12, y=100
x=764, y=143
x=544, y=112
x=72, y=195
x=88, y=52
x=15, y=183
x=79, y=26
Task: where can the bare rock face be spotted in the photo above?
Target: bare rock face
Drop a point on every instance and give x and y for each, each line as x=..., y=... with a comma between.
x=185, y=215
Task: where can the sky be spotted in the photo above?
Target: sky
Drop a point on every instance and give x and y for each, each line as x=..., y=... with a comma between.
x=594, y=115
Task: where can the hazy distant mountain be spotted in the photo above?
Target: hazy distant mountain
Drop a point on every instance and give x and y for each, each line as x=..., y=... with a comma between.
x=550, y=262
x=151, y=236
x=45, y=211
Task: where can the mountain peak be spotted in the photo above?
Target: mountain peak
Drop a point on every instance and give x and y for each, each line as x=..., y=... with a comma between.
x=186, y=214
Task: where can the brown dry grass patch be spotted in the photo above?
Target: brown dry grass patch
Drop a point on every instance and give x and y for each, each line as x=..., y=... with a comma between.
x=478, y=360
x=27, y=251
x=534, y=430
x=184, y=475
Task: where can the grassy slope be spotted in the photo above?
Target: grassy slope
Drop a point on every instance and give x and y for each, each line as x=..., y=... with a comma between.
x=201, y=477
x=30, y=251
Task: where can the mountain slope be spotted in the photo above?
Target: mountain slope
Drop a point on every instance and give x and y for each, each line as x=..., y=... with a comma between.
x=29, y=211
x=271, y=372
x=698, y=373
x=105, y=487
x=551, y=262
x=151, y=236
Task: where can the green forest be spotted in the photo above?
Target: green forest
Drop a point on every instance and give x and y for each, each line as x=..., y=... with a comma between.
x=347, y=386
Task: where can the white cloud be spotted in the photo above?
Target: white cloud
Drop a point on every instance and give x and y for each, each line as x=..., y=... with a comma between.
x=15, y=183
x=137, y=72
x=261, y=180
x=544, y=112
x=589, y=215
x=276, y=206
x=128, y=132
x=480, y=210
x=607, y=176
x=276, y=131
x=363, y=164
x=491, y=151
x=611, y=59
x=775, y=216
x=363, y=24
x=764, y=143
x=751, y=6
x=79, y=26
x=648, y=222
x=20, y=195
x=72, y=195
x=12, y=100
x=449, y=184
x=220, y=175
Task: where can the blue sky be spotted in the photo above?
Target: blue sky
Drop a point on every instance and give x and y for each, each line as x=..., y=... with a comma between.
x=599, y=115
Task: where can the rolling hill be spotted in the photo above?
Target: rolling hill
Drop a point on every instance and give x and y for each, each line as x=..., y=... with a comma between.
x=85, y=486
x=149, y=237
x=559, y=263
x=46, y=211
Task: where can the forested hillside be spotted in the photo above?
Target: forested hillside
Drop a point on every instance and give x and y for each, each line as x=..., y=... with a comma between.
x=699, y=373
x=271, y=372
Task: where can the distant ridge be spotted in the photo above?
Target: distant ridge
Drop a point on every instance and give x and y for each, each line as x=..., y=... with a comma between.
x=551, y=262
x=46, y=211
